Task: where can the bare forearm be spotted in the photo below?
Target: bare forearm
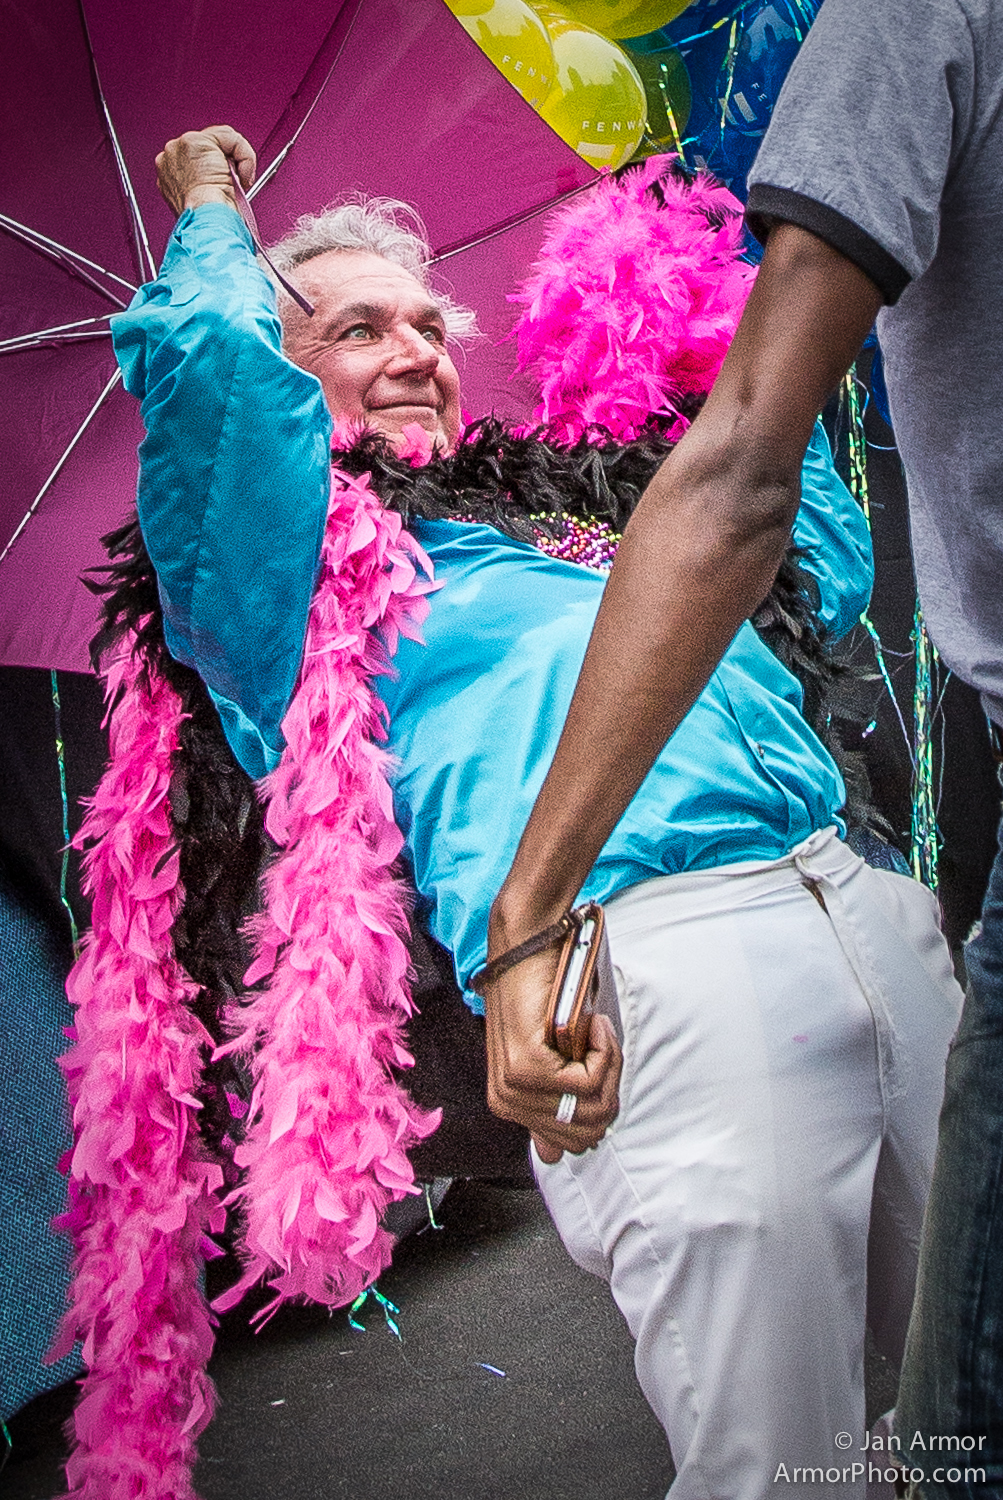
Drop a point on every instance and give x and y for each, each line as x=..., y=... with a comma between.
x=680, y=588
x=700, y=553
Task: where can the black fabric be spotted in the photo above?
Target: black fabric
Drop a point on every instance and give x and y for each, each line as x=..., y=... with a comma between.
x=769, y=205
x=451, y=1072
x=31, y=810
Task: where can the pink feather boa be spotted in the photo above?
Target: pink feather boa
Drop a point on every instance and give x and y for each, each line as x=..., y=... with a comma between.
x=630, y=308
x=330, y=1127
x=142, y=1192
x=326, y=1149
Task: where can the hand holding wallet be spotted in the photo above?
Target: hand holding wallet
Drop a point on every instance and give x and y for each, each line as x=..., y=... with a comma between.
x=583, y=986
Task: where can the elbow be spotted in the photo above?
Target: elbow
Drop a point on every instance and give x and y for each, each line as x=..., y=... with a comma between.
x=711, y=529
x=757, y=511
x=727, y=500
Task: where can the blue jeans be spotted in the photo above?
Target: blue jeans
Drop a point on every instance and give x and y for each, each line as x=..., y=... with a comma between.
x=950, y=1410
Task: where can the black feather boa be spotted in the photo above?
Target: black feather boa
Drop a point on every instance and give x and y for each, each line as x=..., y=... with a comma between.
x=525, y=486
x=216, y=817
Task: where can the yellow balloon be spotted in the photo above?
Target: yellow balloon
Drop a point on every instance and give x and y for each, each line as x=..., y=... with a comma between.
x=598, y=103
x=651, y=15
x=512, y=35
x=669, y=97
x=625, y=17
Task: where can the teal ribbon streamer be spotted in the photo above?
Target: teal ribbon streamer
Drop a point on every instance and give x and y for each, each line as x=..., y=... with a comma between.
x=924, y=834
x=384, y=1302
x=925, y=842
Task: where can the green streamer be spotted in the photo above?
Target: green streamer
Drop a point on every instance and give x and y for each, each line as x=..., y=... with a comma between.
x=728, y=68
x=8, y=1445
x=732, y=16
x=384, y=1302
x=924, y=836
x=431, y=1208
x=806, y=17
x=879, y=656
x=64, y=868
x=670, y=115
x=858, y=444
x=924, y=851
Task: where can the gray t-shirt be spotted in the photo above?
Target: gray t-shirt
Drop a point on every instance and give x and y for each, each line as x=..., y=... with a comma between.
x=887, y=142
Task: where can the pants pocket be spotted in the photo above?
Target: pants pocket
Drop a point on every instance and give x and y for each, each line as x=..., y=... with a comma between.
x=628, y=1001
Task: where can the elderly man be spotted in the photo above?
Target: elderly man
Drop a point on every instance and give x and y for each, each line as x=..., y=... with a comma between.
x=752, y=1183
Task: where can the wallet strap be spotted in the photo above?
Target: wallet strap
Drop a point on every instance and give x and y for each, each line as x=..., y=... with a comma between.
x=555, y=933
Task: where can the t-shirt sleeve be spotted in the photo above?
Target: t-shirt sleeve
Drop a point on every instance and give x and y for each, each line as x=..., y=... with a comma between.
x=864, y=134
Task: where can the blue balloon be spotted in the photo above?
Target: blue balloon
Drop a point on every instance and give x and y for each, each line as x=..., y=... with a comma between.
x=879, y=389
x=738, y=53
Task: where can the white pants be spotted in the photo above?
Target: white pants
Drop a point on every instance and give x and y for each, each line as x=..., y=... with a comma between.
x=759, y=1197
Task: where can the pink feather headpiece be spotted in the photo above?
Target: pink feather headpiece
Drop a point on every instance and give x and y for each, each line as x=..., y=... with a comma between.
x=631, y=306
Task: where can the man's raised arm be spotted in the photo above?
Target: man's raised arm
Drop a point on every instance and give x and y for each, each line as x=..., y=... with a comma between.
x=235, y=465
x=700, y=552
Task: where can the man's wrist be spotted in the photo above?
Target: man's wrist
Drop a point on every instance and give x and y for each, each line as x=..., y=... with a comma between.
x=518, y=913
x=209, y=193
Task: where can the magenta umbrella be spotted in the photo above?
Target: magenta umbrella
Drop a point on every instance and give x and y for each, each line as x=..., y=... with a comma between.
x=390, y=96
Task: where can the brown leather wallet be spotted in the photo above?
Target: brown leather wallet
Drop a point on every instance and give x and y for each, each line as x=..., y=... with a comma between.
x=583, y=986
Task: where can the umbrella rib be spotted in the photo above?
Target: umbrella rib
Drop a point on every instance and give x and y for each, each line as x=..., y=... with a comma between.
x=62, y=460
x=40, y=241
x=276, y=163
x=61, y=333
x=506, y=224
x=138, y=227
x=70, y=260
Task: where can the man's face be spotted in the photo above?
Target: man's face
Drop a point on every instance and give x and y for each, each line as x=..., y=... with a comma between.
x=377, y=344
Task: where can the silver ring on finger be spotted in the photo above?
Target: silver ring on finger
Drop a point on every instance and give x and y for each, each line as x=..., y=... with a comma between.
x=566, y=1106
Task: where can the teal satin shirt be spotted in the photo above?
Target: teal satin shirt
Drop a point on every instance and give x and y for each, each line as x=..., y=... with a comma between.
x=232, y=498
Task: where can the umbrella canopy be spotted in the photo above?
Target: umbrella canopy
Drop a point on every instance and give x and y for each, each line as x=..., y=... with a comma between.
x=388, y=96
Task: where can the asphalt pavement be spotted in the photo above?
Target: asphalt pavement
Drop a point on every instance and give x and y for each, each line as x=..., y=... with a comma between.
x=513, y=1380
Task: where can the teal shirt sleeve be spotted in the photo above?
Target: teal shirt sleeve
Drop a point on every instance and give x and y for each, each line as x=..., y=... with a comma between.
x=234, y=474
x=833, y=532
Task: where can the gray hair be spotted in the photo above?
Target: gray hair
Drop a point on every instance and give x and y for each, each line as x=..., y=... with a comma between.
x=380, y=226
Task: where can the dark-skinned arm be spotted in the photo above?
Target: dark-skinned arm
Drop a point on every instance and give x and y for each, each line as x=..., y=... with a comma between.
x=699, y=554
